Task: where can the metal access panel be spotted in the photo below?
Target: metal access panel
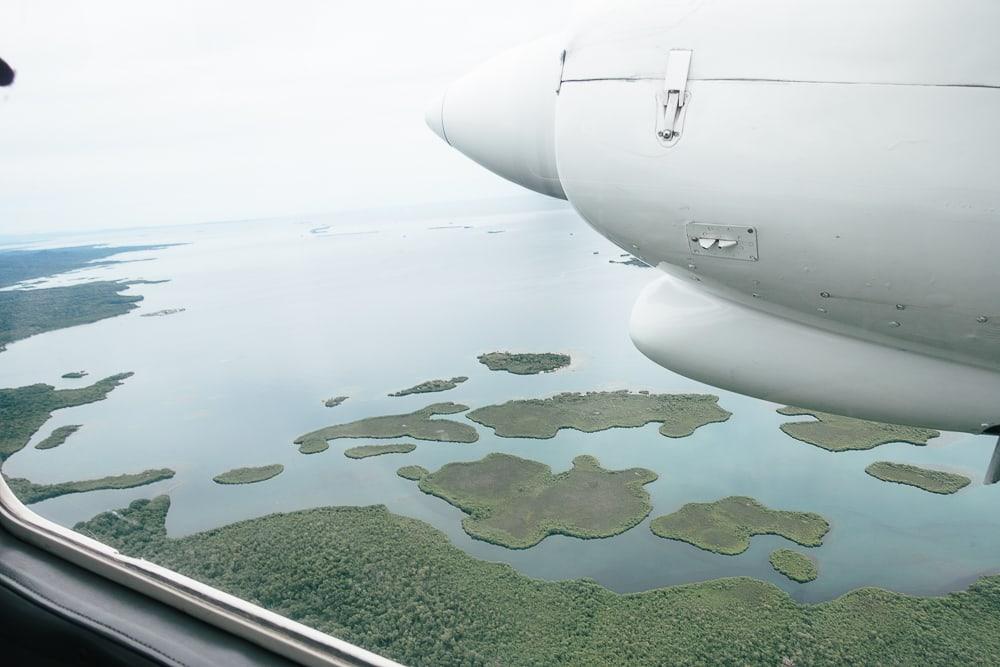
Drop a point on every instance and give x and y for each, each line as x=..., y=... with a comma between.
x=723, y=241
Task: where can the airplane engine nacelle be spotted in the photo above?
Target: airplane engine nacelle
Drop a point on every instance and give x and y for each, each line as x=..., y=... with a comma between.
x=822, y=177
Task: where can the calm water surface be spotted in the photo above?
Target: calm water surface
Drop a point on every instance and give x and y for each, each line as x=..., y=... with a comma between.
x=279, y=317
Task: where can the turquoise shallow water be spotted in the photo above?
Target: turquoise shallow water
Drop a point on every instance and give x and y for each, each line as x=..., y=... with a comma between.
x=278, y=318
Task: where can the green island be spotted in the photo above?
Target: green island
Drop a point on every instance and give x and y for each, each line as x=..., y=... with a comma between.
x=516, y=503
x=413, y=473
x=679, y=414
x=249, y=475
x=399, y=587
x=839, y=434
x=417, y=424
x=726, y=526
x=365, y=451
x=431, y=386
x=28, y=492
x=797, y=567
x=26, y=312
x=335, y=401
x=21, y=265
x=525, y=363
x=934, y=481
x=74, y=375
x=58, y=436
x=23, y=410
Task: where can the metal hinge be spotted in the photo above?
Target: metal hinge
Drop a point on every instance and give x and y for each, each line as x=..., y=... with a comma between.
x=672, y=101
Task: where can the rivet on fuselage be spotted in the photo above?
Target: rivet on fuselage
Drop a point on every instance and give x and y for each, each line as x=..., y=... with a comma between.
x=900, y=306
x=825, y=295
x=894, y=323
x=822, y=310
x=982, y=319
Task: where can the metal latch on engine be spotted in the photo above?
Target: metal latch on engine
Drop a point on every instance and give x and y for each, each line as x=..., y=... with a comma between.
x=672, y=101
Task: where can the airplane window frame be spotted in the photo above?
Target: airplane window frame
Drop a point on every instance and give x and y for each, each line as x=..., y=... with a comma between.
x=270, y=630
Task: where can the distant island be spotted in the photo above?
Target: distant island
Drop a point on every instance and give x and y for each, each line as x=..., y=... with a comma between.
x=679, y=414
x=934, y=481
x=163, y=313
x=28, y=492
x=58, y=436
x=489, y=613
x=366, y=451
x=412, y=473
x=838, y=434
x=23, y=410
x=431, y=386
x=726, y=526
x=249, y=475
x=524, y=364
x=517, y=503
x=335, y=401
x=17, y=266
x=74, y=375
x=418, y=424
x=794, y=565
x=632, y=261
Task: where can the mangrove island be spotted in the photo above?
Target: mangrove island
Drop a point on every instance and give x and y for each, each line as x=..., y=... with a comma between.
x=839, y=434
x=249, y=475
x=934, y=481
x=431, y=386
x=366, y=451
x=524, y=363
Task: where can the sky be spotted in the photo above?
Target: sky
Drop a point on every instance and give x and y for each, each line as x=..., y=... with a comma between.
x=130, y=114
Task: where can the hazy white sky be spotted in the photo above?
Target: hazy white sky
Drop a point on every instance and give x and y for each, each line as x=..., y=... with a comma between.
x=130, y=113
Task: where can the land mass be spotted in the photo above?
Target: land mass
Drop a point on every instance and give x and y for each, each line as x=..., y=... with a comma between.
x=58, y=436
x=517, y=503
x=335, y=401
x=838, y=434
x=524, y=364
x=74, y=375
x=416, y=424
x=413, y=473
x=23, y=410
x=679, y=414
x=366, y=451
x=794, y=565
x=20, y=265
x=27, y=312
x=431, y=386
x=249, y=475
x=726, y=526
x=934, y=481
x=417, y=584
x=28, y=492
x=633, y=261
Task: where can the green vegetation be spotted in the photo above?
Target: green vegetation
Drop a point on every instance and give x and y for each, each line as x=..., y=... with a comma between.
x=26, y=312
x=74, y=375
x=517, y=503
x=365, y=451
x=416, y=424
x=524, y=364
x=399, y=587
x=163, y=313
x=20, y=265
x=28, y=492
x=58, y=436
x=838, y=434
x=934, y=481
x=23, y=410
x=680, y=414
x=794, y=565
x=413, y=473
x=249, y=475
x=726, y=526
x=431, y=386
x=335, y=401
